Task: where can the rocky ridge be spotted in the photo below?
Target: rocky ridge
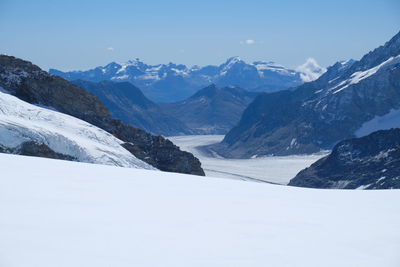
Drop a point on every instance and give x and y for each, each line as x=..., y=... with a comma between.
x=369, y=162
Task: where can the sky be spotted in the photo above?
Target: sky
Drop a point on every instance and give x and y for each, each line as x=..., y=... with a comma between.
x=72, y=34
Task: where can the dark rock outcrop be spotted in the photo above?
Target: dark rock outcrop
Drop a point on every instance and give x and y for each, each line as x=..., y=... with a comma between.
x=34, y=149
x=370, y=162
x=31, y=84
x=212, y=110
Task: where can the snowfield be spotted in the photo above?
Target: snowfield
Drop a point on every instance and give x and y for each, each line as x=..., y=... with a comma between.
x=60, y=213
x=21, y=122
x=269, y=169
x=385, y=122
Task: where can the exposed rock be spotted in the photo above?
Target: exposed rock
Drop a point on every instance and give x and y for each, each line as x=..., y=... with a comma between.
x=370, y=162
x=35, y=149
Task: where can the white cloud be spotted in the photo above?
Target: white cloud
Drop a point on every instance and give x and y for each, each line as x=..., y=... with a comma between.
x=310, y=70
x=110, y=48
x=250, y=42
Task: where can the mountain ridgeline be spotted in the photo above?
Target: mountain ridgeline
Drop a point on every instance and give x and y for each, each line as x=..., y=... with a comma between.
x=176, y=82
x=350, y=99
x=33, y=85
x=212, y=110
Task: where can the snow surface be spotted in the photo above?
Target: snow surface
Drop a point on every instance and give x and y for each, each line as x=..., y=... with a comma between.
x=385, y=122
x=270, y=169
x=60, y=213
x=21, y=122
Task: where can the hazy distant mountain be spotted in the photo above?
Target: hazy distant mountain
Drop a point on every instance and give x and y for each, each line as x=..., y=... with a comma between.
x=172, y=82
x=127, y=103
x=370, y=162
x=212, y=110
x=351, y=99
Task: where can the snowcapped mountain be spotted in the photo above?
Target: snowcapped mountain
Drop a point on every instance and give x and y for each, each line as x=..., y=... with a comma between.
x=171, y=82
x=60, y=213
x=349, y=99
x=22, y=122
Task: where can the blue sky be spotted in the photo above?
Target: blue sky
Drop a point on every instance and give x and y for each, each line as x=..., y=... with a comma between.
x=83, y=34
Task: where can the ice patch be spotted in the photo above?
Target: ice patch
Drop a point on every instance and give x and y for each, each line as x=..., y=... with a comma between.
x=385, y=122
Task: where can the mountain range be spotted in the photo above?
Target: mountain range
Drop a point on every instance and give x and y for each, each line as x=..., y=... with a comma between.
x=352, y=98
x=176, y=82
x=212, y=110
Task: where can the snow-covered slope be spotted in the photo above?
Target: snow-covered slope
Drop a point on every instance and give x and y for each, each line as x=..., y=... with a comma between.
x=59, y=213
x=21, y=122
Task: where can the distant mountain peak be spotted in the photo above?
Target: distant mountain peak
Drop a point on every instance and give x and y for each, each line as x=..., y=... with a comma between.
x=212, y=110
x=233, y=60
x=230, y=63
x=134, y=61
x=208, y=91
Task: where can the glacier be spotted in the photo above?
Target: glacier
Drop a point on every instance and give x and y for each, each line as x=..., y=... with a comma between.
x=21, y=122
x=270, y=169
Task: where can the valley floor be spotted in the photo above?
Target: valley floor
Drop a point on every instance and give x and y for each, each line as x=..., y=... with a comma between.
x=60, y=213
x=269, y=169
